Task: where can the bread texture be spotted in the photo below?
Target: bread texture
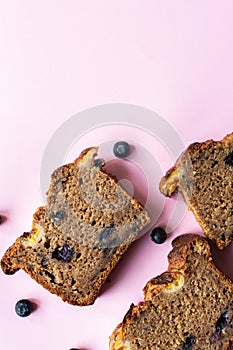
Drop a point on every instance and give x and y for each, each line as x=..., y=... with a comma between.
x=204, y=176
x=85, y=228
x=188, y=307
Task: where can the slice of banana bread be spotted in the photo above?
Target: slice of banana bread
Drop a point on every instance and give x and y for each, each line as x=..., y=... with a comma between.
x=204, y=176
x=80, y=235
x=188, y=307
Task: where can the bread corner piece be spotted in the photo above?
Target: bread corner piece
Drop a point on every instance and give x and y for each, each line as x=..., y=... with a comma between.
x=190, y=306
x=76, y=240
x=204, y=176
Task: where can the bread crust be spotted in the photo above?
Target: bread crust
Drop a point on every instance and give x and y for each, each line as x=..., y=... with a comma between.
x=182, y=177
x=177, y=266
x=10, y=264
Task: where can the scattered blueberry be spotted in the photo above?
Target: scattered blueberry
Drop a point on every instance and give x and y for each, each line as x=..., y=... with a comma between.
x=229, y=159
x=121, y=149
x=158, y=235
x=57, y=216
x=63, y=254
x=23, y=307
x=1, y=219
x=189, y=342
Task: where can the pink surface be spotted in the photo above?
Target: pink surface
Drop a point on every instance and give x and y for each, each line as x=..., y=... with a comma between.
x=58, y=58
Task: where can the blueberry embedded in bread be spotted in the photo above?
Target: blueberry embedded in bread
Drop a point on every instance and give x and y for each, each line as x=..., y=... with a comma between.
x=77, y=239
x=204, y=176
x=188, y=307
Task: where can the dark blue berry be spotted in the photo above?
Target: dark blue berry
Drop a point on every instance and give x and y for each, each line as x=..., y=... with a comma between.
x=63, y=254
x=23, y=307
x=229, y=159
x=98, y=162
x=121, y=149
x=58, y=216
x=189, y=342
x=1, y=220
x=158, y=235
x=222, y=322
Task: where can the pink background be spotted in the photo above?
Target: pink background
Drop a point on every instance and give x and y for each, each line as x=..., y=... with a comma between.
x=58, y=58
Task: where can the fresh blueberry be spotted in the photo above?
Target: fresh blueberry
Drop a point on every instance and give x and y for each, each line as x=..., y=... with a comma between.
x=189, y=342
x=158, y=235
x=229, y=159
x=121, y=149
x=1, y=220
x=23, y=307
x=58, y=216
x=64, y=253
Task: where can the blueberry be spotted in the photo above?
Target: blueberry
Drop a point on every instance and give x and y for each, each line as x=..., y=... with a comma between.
x=229, y=159
x=64, y=253
x=222, y=322
x=158, y=235
x=1, y=220
x=98, y=163
x=58, y=216
x=189, y=342
x=121, y=149
x=23, y=307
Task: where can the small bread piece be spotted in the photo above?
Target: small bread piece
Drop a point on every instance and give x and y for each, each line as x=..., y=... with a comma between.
x=188, y=307
x=204, y=176
x=80, y=235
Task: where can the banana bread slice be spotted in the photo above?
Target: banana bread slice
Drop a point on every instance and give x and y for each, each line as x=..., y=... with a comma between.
x=80, y=235
x=204, y=176
x=188, y=307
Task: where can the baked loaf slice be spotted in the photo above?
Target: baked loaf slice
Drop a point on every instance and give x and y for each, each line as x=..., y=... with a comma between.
x=188, y=307
x=80, y=235
x=204, y=176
